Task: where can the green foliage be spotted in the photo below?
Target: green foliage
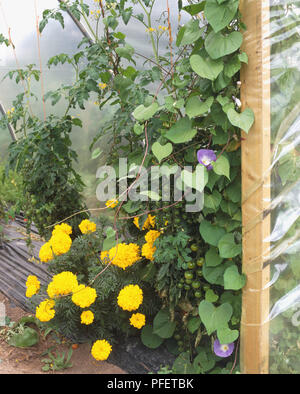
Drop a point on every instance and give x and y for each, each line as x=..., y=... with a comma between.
x=110, y=321
x=20, y=334
x=198, y=255
x=56, y=361
x=52, y=189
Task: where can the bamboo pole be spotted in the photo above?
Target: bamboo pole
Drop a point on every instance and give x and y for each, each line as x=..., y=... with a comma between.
x=256, y=159
x=78, y=24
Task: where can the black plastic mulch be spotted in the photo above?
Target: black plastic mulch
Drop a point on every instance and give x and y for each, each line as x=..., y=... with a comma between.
x=16, y=264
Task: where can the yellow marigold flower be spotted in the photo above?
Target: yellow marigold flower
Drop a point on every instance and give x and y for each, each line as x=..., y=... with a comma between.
x=60, y=243
x=112, y=203
x=64, y=227
x=31, y=290
x=104, y=255
x=148, y=251
x=62, y=284
x=122, y=255
x=87, y=317
x=130, y=297
x=32, y=285
x=101, y=350
x=102, y=85
x=84, y=296
x=151, y=236
x=46, y=253
x=45, y=312
x=138, y=320
x=150, y=222
x=86, y=226
x=32, y=280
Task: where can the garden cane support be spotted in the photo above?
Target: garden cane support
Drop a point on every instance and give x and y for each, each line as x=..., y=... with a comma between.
x=255, y=93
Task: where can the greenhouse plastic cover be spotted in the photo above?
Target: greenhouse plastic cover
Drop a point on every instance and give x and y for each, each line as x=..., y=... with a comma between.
x=284, y=236
x=55, y=40
x=273, y=274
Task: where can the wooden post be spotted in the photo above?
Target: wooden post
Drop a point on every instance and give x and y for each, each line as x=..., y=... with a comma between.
x=256, y=158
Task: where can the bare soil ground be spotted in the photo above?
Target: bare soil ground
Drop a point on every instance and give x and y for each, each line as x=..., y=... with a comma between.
x=28, y=361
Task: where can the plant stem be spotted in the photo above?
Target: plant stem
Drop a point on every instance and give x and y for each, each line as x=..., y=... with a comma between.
x=87, y=22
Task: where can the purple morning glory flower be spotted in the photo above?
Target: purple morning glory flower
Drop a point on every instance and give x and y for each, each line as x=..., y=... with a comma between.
x=206, y=157
x=223, y=350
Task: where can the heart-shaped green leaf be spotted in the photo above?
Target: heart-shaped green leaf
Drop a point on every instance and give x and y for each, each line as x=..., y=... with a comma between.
x=204, y=361
x=211, y=233
x=218, y=14
x=212, y=201
x=206, y=311
x=226, y=335
x=168, y=170
x=214, y=275
x=194, y=9
x=228, y=248
x=211, y=296
x=206, y=67
x=242, y=120
x=189, y=33
x=110, y=240
x=150, y=339
x=194, y=324
x=212, y=258
x=233, y=280
x=195, y=180
x=161, y=151
x=214, y=318
x=163, y=326
x=222, y=166
x=138, y=129
x=181, y=132
x=195, y=107
x=142, y=113
x=218, y=45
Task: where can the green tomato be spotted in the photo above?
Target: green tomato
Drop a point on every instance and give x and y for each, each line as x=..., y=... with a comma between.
x=196, y=284
x=187, y=287
x=177, y=337
x=200, y=261
x=194, y=247
x=188, y=281
x=188, y=275
x=198, y=294
x=191, y=265
x=199, y=273
x=180, y=285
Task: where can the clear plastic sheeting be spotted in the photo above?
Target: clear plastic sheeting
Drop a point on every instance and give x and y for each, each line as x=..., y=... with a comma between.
x=55, y=40
x=284, y=237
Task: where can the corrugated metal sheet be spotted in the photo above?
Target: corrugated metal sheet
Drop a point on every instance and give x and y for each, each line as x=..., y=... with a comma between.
x=17, y=262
